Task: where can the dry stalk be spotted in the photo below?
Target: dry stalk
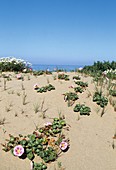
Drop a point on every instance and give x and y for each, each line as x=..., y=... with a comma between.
x=4, y=84
x=24, y=98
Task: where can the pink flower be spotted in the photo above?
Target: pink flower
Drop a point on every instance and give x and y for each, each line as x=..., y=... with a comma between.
x=35, y=86
x=30, y=69
x=18, y=150
x=63, y=145
x=19, y=76
x=48, y=124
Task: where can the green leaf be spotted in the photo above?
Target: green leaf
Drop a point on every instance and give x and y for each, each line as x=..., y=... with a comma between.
x=30, y=156
x=12, y=139
x=23, y=142
x=32, y=137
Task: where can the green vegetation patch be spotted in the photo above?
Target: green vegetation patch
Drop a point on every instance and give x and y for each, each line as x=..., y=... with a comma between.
x=54, y=128
x=46, y=142
x=39, y=166
x=81, y=83
x=84, y=110
x=76, y=77
x=63, y=77
x=70, y=97
x=14, y=64
x=78, y=89
x=41, y=72
x=99, y=68
x=45, y=88
x=100, y=99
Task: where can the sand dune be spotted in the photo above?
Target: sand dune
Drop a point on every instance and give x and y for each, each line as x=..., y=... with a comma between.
x=91, y=137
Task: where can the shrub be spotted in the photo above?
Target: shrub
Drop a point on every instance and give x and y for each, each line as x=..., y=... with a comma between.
x=13, y=64
x=99, y=68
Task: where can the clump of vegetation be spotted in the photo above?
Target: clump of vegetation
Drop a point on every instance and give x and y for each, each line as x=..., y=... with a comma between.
x=38, y=166
x=38, y=73
x=46, y=142
x=96, y=79
x=99, y=80
x=78, y=89
x=40, y=108
x=13, y=64
x=45, y=88
x=70, y=97
x=41, y=72
x=36, y=107
x=99, y=67
x=54, y=128
x=100, y=99
x=76, y=77
x=82, y=84
x=63, y=77
x=7, y=77
x=111, y=74
x=84, y=110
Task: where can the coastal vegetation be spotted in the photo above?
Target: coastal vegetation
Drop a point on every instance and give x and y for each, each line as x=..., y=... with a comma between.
x=63, y=77
x=84, y=110
x=99, y=68
x=92, y=93
x=45, y=88
x=14, y=64
x=46, y=142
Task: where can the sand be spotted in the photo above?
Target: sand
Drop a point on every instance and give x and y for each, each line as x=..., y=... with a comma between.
x=91, y=137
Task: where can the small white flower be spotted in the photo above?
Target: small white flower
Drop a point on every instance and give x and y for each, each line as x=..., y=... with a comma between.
x=80, y=68
x=48, y=124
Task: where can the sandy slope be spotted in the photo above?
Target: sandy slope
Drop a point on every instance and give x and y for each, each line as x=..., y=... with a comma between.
x=90, y=136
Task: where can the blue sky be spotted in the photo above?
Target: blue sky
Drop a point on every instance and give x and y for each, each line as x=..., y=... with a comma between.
x=58, y=31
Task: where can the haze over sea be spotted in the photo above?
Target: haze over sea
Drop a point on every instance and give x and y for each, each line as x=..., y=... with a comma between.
x=54, y=67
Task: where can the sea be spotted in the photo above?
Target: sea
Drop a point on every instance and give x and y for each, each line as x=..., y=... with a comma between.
x=54, y=67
